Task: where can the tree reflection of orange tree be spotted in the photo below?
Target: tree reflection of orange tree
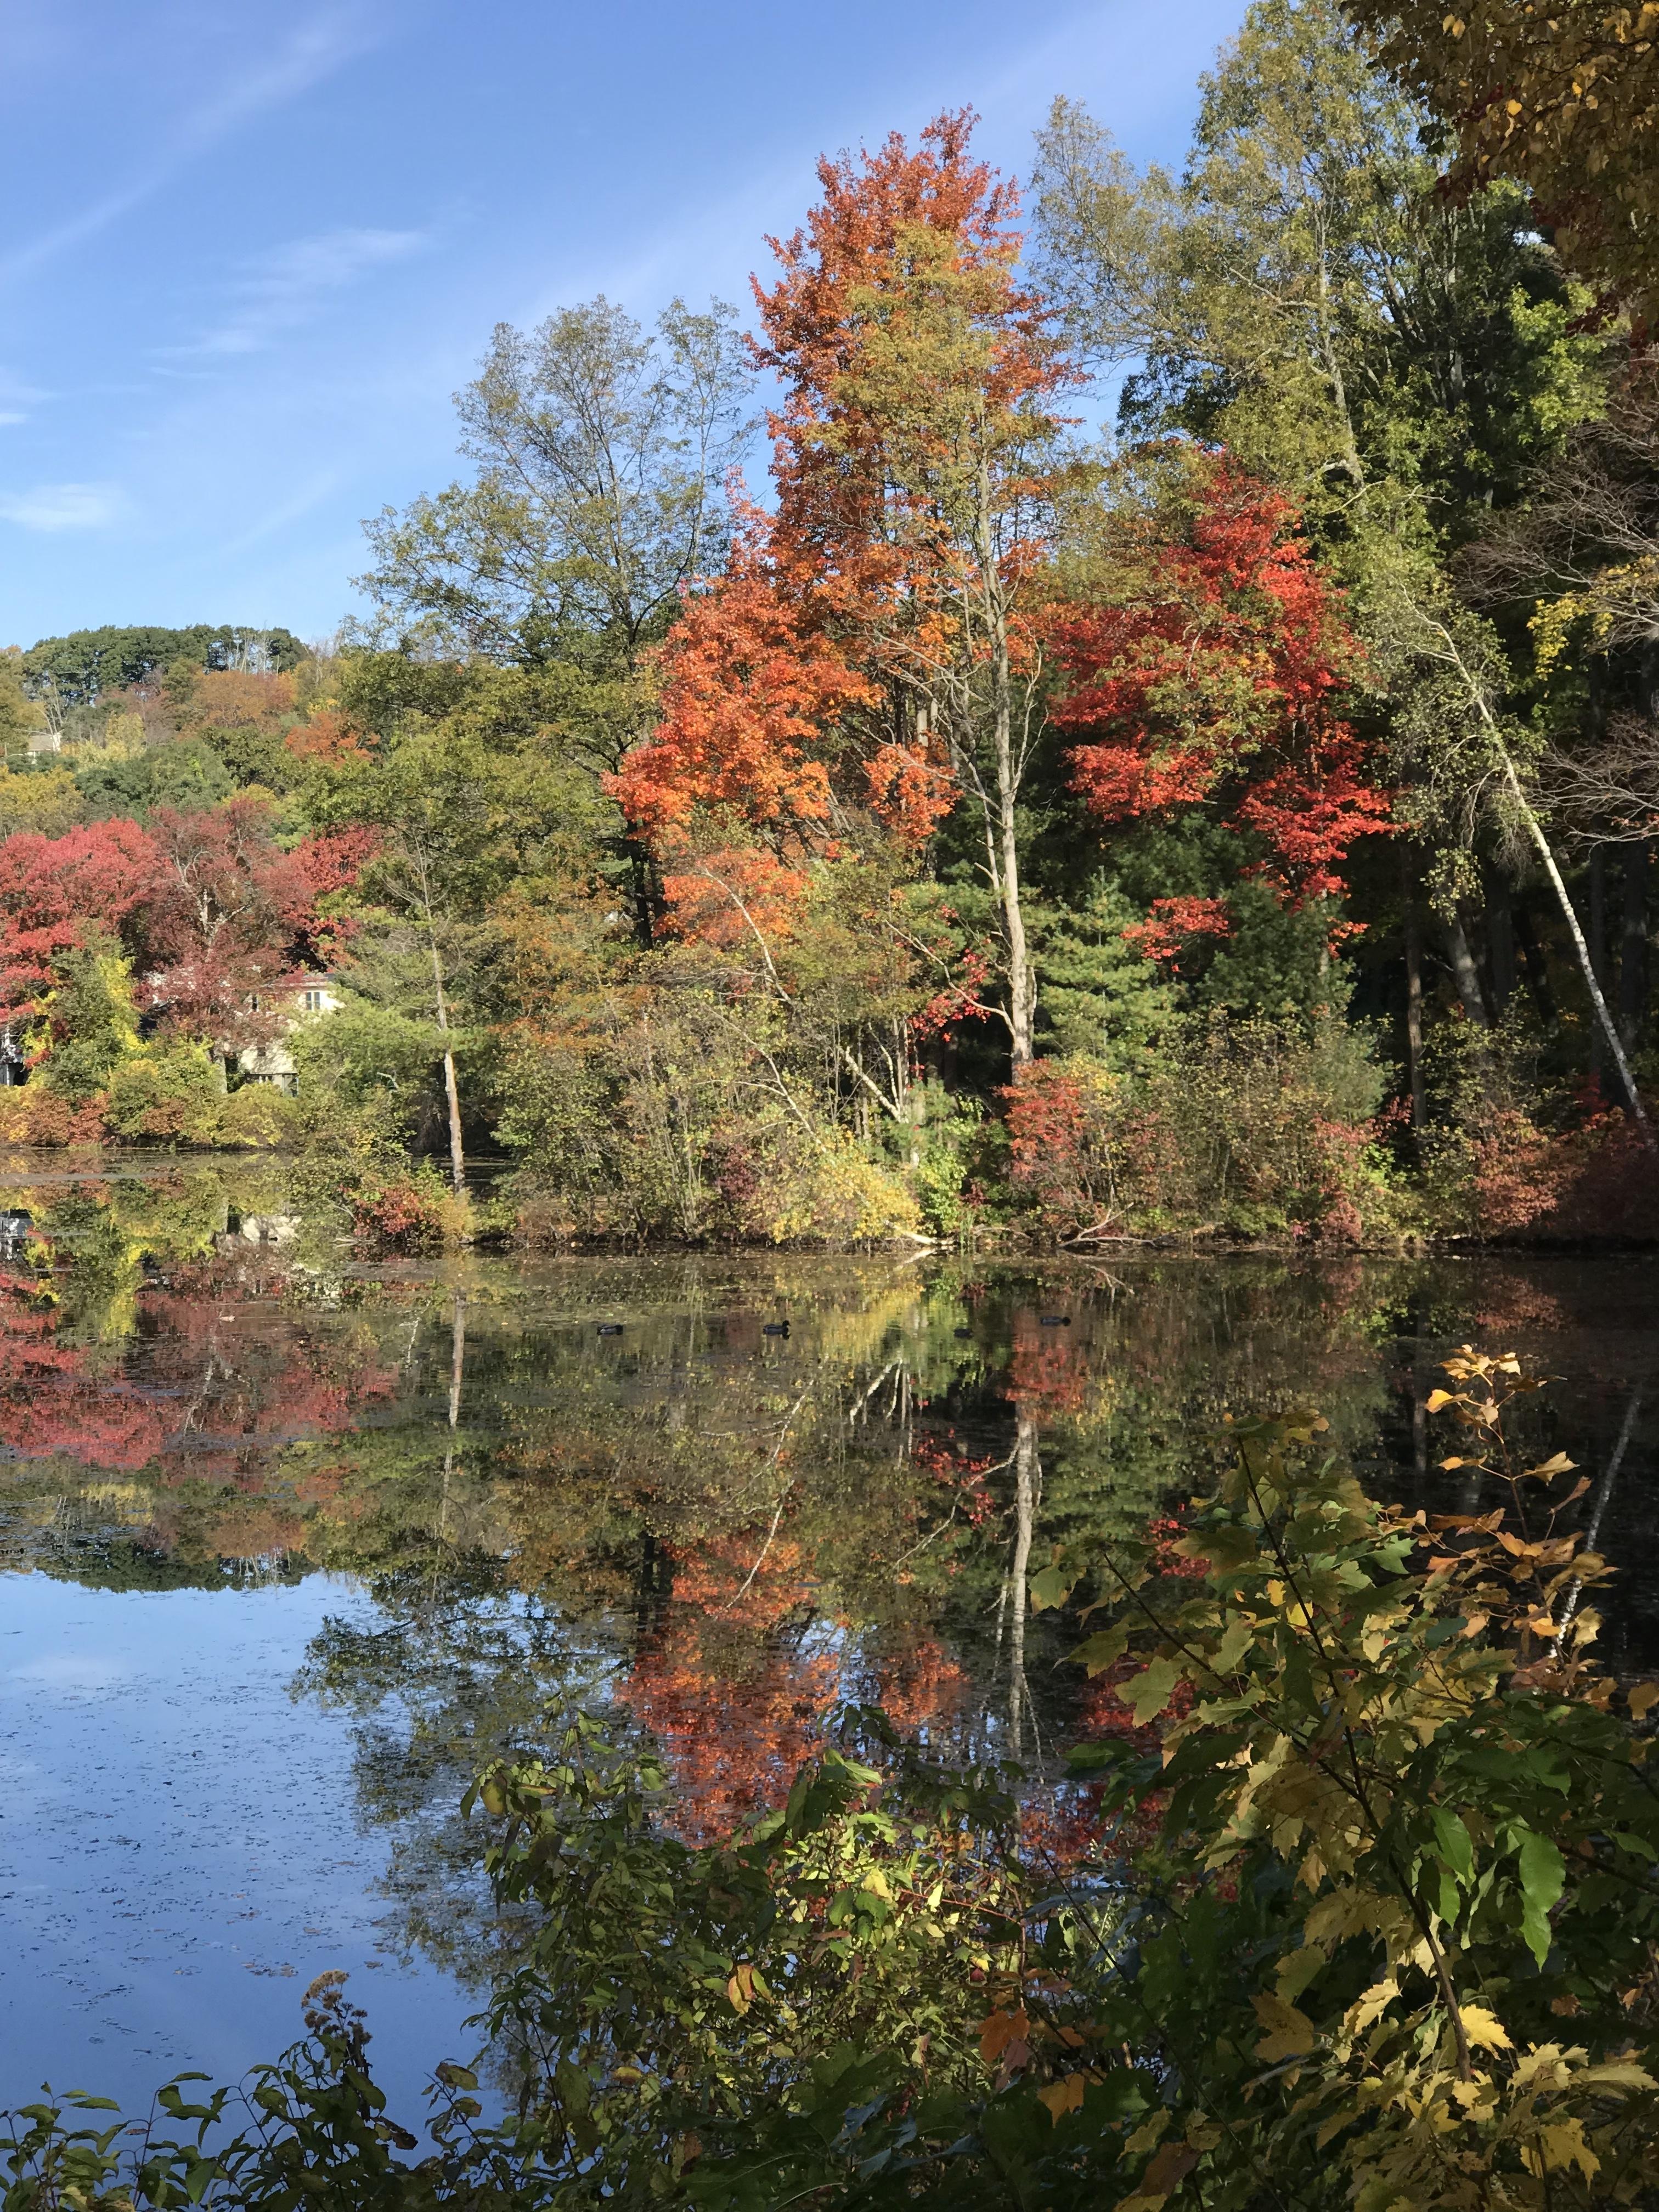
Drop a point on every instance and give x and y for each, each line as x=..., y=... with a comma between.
x=754, y=1522
x=732, y=1682
x=860, y=1512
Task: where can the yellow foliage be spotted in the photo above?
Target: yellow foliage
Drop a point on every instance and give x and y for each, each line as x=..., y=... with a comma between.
x=840, y=1196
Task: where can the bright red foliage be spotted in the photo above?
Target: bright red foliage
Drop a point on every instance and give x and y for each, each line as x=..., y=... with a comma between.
x=52, y=889
x=1060, y=1143
x=331, y=860
x=1215, y=681
x=223, y=920
x=1172, y=925
x=204, y=903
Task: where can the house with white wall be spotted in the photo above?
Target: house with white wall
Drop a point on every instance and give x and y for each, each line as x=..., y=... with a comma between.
x=293, y=998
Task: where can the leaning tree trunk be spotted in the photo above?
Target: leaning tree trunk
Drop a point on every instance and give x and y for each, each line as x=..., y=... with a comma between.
x=1534, y=830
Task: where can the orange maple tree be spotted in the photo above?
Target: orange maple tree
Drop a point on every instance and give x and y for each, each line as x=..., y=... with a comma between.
x=859, y=658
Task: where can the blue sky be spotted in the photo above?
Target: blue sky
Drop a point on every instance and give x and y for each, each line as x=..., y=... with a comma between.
x=253, y=246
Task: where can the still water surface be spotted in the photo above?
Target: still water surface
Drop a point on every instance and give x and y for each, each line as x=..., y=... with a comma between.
x=291, y=1542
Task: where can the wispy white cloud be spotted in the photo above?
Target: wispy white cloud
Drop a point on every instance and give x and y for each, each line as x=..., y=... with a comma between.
x=310, y=495
x=317, y=47
x=61, y=507
x=286, y=287
x=18, y=399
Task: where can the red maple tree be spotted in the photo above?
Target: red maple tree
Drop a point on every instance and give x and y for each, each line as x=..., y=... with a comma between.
x=222, y=921
x=1215, y=680
x=54, y=890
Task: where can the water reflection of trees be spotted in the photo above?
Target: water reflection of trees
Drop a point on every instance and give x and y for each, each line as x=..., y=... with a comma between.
x=724, y=1531
x=726, y=1534
x=149, y=1435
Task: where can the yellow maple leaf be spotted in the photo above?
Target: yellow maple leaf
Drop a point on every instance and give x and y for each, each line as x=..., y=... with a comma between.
x=1484, y=2030
x=1062, y=2097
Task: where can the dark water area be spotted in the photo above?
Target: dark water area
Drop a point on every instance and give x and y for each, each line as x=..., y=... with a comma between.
x=291, y=1542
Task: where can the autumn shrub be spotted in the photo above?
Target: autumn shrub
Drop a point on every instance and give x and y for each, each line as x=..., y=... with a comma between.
x=828, y=1191
x=1592, y=1179
x=259, y=1116
x=170, y=1094
x=34, y=1114
x=406, y=1210
x=1066, y=1121
x=1514, y=1155
x=1250, y=1129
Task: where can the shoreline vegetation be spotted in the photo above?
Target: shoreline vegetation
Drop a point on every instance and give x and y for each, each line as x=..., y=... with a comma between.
x=1232, y=821
x=1341, y=1895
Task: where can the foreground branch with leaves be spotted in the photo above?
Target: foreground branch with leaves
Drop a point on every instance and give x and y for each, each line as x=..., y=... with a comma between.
x=1352, y=1903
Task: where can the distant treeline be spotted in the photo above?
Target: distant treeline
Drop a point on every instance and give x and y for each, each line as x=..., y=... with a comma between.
x=80, y=667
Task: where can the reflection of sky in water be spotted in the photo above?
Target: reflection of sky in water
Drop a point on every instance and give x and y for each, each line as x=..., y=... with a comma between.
x=177, y=1851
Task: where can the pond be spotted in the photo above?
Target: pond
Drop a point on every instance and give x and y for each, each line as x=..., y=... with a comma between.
x=294, y=1540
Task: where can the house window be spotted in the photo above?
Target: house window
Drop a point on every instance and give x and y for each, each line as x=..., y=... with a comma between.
x=313, y=1002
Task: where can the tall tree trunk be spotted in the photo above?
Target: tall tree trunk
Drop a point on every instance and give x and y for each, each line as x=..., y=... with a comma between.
x=1021, y=982
x=1028, y=1491
x=1633, y=946
x=452, y=1093
x=1465, y=974
x=1022, y=979
x=1413, y=932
